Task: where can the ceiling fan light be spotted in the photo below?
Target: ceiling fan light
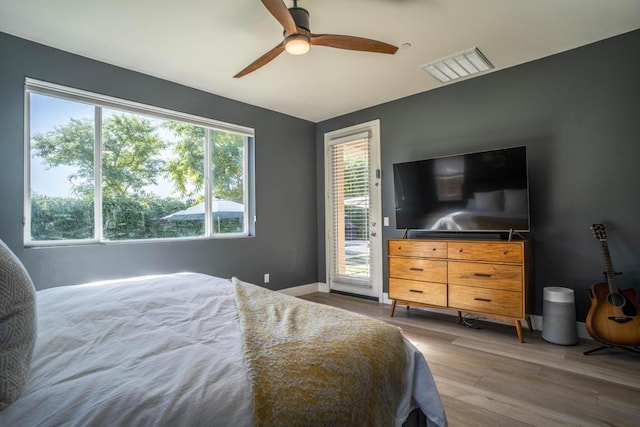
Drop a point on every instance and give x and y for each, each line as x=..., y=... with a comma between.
x=297, y=44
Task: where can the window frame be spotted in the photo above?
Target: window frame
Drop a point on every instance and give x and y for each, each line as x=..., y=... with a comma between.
x=99, y=101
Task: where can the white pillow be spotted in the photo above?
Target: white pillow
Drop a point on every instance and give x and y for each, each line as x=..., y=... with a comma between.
x=489, y=201
x=471, y=204
x=516, y=201
x=17, y=325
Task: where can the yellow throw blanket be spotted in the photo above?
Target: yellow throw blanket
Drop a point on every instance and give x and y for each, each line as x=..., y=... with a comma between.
x=311, y=364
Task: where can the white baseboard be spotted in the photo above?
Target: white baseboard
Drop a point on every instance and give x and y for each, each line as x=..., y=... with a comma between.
x=296, y=291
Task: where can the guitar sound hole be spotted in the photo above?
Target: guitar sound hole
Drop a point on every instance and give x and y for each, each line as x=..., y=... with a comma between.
x=616, y=300
x=619, y=300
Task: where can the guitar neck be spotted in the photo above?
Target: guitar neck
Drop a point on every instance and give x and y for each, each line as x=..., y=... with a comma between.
x=611, y=275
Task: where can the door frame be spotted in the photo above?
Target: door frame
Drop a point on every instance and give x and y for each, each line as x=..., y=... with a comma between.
x=375, y=203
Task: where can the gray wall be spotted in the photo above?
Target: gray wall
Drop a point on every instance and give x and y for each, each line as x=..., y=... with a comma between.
x=577, y=112
x=285, y=239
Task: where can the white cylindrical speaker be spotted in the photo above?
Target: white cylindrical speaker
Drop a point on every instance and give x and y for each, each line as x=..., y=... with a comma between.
x=559, y=316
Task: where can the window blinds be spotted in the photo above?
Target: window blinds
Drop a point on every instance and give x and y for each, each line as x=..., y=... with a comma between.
x=349, y=194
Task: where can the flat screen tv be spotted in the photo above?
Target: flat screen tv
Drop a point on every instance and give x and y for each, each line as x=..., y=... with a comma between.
x=478, y=192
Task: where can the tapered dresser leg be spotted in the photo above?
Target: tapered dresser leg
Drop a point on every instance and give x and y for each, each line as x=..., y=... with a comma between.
x=519, y=330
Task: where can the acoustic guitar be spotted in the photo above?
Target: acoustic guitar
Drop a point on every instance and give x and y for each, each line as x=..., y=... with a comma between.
x=613, y=317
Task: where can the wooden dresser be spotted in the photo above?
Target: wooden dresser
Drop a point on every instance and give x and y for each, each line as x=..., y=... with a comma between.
x=490, y=278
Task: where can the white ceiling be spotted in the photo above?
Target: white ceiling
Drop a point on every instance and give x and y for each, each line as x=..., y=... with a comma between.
x=202, y=44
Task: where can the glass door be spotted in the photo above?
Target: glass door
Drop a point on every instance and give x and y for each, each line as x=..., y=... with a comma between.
x=352, y=211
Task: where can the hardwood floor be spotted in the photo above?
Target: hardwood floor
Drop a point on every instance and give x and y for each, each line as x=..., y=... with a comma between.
x=487, y=378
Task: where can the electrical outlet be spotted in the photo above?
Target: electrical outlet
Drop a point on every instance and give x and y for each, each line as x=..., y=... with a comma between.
x=266, y=277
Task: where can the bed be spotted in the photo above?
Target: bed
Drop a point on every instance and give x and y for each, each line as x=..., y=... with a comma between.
x=478, y=220
x=490, y=210
x=175, y=350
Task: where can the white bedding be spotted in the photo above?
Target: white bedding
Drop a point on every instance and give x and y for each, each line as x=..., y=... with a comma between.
x=157, y=351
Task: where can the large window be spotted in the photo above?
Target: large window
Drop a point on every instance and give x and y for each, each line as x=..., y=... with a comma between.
x=100, y=169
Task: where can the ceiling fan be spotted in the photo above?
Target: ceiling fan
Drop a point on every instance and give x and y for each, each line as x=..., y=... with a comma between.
x=298, y=37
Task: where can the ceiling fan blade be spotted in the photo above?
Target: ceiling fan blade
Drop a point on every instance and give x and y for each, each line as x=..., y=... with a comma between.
x=280, y=11
x=352, y=43
x=263, y=60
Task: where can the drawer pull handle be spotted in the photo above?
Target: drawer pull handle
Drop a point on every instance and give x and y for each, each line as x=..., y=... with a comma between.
x=505, y=252
x=434, y=249
x=416, y=291
x=482, y=275
x=482, y=299
x=416, y=269
x=461, y=250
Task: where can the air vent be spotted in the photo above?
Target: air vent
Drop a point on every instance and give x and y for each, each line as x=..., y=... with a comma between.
x=458, y=66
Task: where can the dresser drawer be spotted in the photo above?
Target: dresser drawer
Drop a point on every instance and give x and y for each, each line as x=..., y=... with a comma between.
x=490, y=301
x=418, y=248
x=495, y=276
x=428, y=270
x=486, y=251
x=422, y=292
